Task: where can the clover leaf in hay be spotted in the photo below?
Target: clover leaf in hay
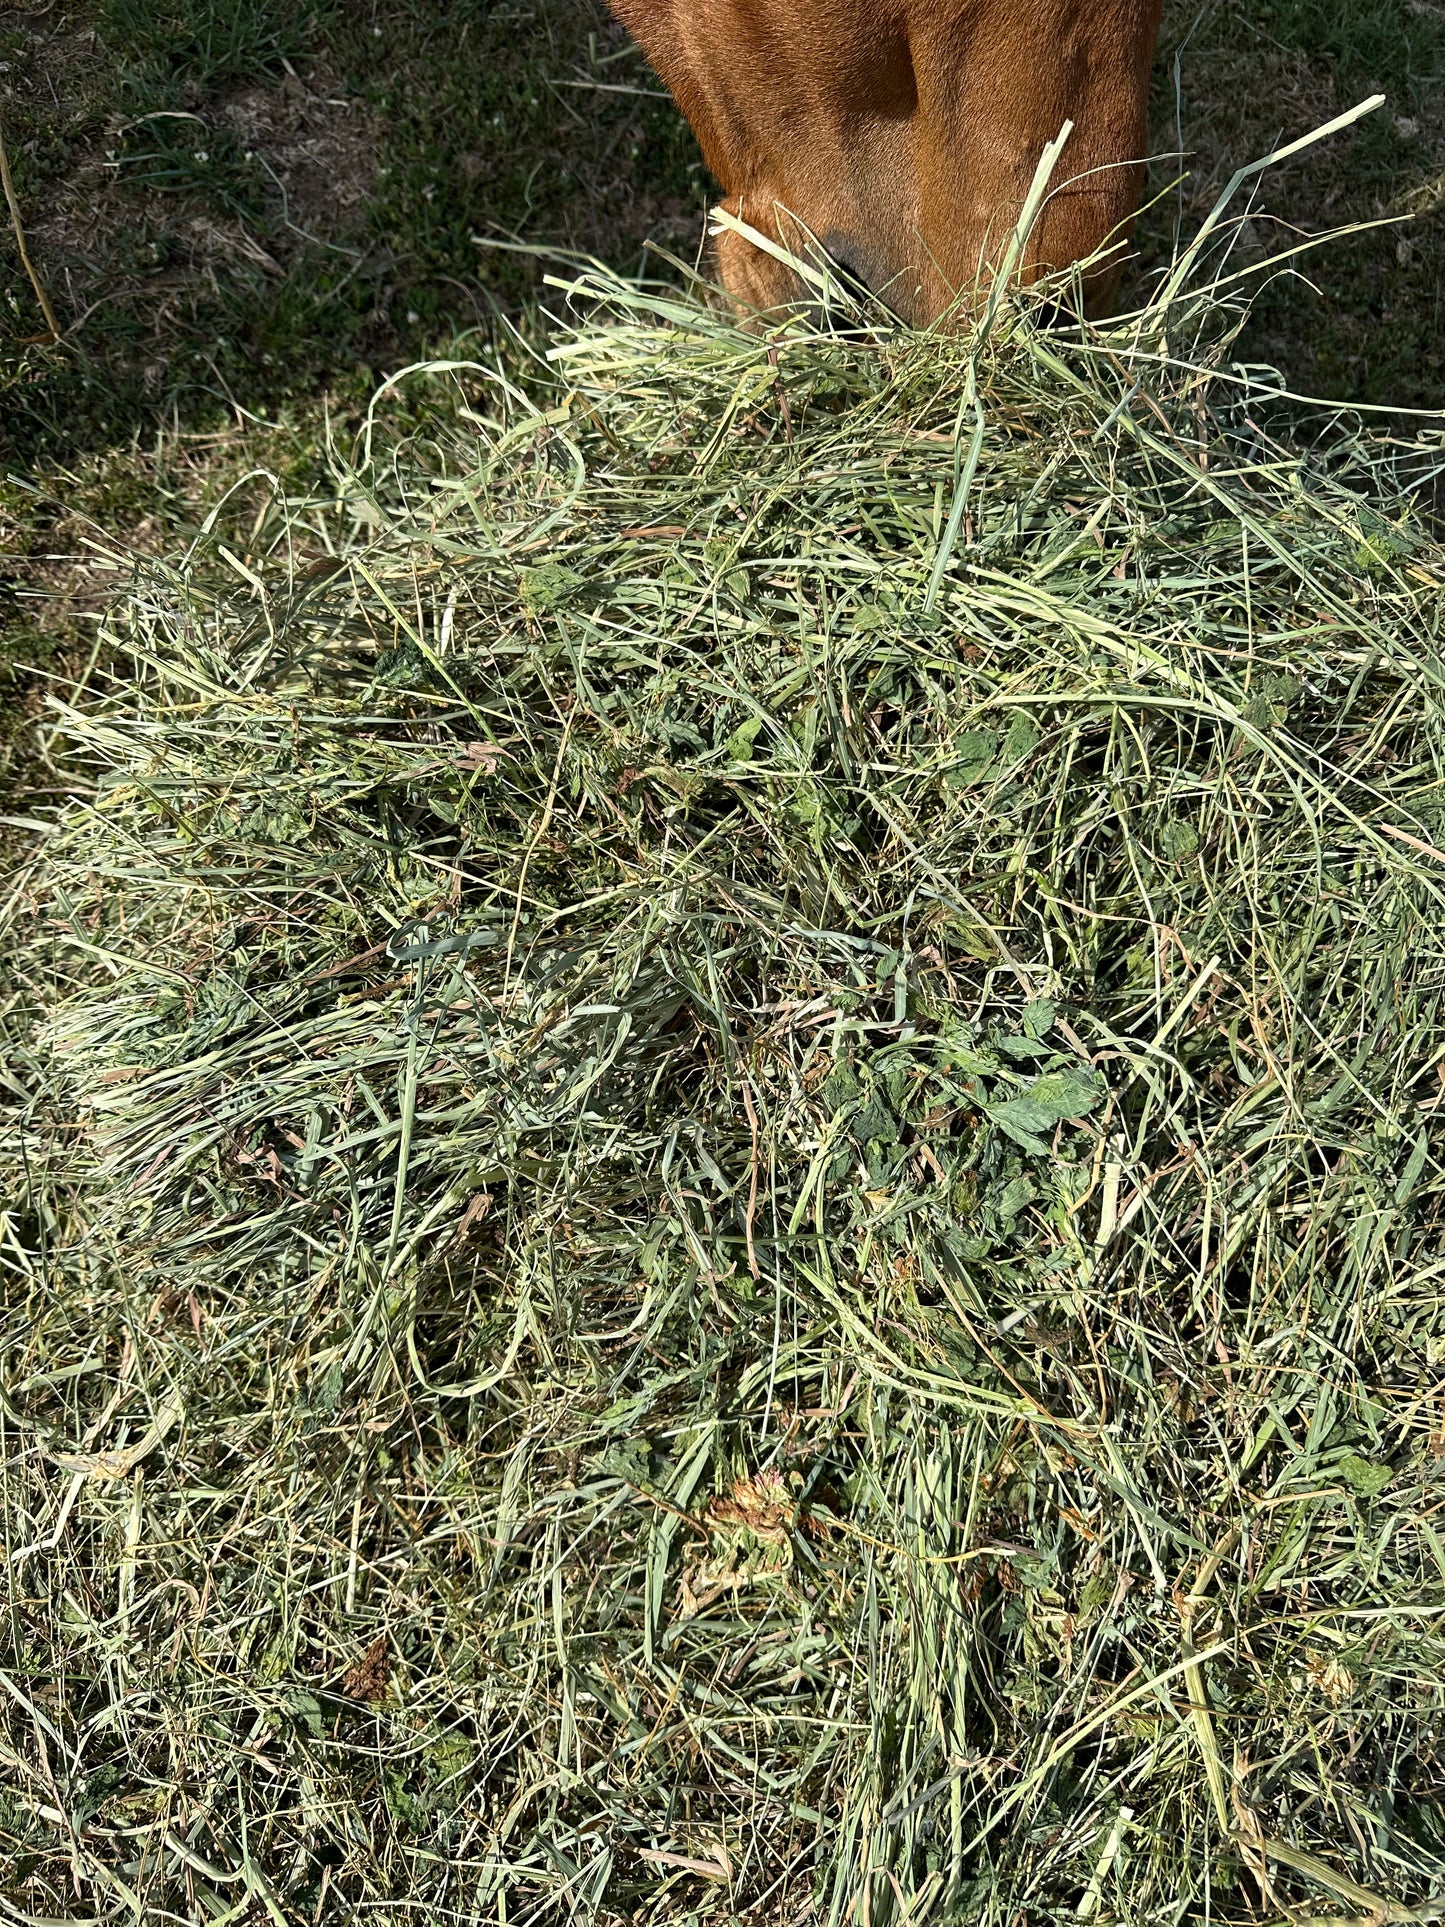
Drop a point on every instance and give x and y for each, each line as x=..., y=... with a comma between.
x=1098, y=1590
x=627, y=1459
x=1022, y=1048
x=870, y=617
x=403, y=667
x=1017, y=1193
x=875, y=1123
x=1268, y=705
x=1034, y=1570
x=959, y=1051
x=1282, y=688
x=327, y=1396
x=751, y=1543
x=448, y=1758
x=1365, y=1477
x=970, y=935
x=305, y=1711
x=899, y=1082
x=550, y=585
x=1020, y=740
x=975, y=754
x=1178, y=840
x=1067, y=1094
x=739, y=745
x=1381, y=543
x=1039, y=1017
x=840, y=1088
x=1025, y=1691
x=805, y=806
x=411, y=1811
x=1055, y=1098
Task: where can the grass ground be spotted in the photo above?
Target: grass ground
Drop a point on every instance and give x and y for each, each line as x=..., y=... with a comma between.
x=246, y=211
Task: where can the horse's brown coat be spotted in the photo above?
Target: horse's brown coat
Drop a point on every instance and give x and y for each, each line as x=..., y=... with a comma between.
x=903, y=134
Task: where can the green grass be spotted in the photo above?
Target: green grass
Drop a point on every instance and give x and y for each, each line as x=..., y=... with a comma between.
x=725, y=1189
x=200, y=43
x=539, y=120
x=1366, y=326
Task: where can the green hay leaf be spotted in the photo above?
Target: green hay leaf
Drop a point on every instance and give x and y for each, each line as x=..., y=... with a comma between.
x=1365, y=1476
x=550, y=585
x=739, y=745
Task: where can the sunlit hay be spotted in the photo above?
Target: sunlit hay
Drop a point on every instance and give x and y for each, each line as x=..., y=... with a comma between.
x=724, y=1200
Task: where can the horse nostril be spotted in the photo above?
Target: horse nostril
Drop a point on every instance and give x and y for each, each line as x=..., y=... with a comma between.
x=896, y=133
x=845, y=251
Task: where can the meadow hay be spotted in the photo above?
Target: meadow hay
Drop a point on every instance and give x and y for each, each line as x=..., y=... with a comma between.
x=725, y=1203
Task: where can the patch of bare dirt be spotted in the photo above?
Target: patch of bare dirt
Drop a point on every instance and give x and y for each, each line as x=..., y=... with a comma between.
x=321, y=148
x=105, y=243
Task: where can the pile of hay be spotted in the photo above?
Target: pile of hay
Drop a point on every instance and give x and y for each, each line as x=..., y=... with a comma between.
x=725, y=1197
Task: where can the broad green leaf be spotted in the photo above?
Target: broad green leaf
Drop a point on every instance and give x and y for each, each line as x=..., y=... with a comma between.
x=840, y=1088
x=1364, y=1476
x=739, y=745
x=549, y=585
x=1065, y=1094
x=1039, y=1017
